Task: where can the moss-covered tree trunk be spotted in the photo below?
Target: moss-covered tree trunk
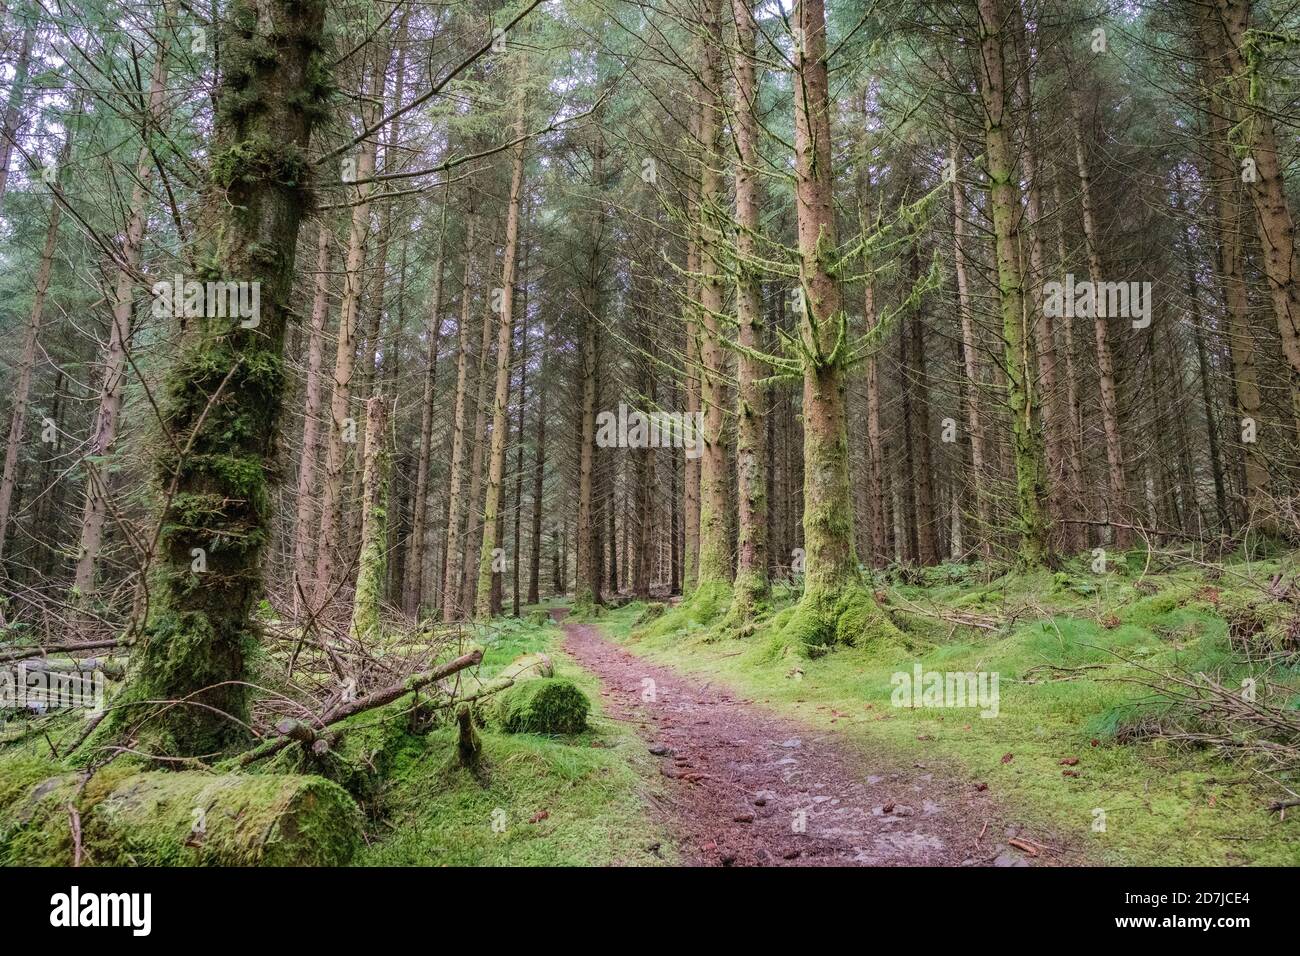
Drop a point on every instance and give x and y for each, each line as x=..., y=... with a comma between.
x=1240, y=53
x=222, y=397
x=751, y=584
x=691, y=370
x=1004, y=202
x=1222, y=171
x=836, y=607
x=372, y=565
x=713, y=575
x=1061, y=486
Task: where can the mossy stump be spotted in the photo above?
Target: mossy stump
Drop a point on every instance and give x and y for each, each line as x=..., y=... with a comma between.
x=544, y=705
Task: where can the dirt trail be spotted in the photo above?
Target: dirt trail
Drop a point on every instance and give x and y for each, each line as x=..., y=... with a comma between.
x=748, y=788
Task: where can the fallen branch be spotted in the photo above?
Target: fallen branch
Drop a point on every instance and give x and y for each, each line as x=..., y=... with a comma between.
x=61, y=649
x=297, y=730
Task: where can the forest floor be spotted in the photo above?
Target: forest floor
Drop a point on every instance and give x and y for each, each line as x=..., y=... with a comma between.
x=751, y=788
x=1108, y=745
x=1146, y=715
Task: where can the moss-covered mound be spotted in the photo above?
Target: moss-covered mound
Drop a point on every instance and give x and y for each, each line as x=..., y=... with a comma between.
x=173, y=819
x=847, y=617
x=545, y=705
x=362, y=750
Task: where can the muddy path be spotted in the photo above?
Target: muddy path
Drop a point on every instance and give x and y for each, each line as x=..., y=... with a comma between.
x=746, y=787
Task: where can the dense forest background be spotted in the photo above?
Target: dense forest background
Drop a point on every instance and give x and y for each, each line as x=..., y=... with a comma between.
x=424, y=258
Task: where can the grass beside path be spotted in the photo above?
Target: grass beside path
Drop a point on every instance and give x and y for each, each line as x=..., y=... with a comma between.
x=1070, y=747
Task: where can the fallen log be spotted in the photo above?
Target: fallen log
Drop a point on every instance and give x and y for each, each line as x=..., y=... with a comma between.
x=370, y=701
x=72, y=648
x=119, y=818
x=114, y=668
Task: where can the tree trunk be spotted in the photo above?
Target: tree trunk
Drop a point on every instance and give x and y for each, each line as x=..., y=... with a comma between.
x=714, y=569
x=224, y=392
x=13, y=108
x=501, y=400
x=303, y=536
x=927, y=524
x=451, y=605
x=1117, y=486
x=970, y=357
x=539, y=477
x=1060, y=485
x=475, y=532
x=587, y=584
x=1004, y=201
x=371, y=565
x=27, y=358
x=415, y=587
x=1240, y=55
x=103, y=438
x=751, y=585
x=835, y=607
x=343, y=427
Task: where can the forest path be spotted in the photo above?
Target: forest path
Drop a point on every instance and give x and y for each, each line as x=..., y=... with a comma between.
x=741, y=780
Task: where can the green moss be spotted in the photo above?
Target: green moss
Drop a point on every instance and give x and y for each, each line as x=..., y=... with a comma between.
x=364, y=751
x=1074, y=671
x=590, y=787
x=544, y=705
x=705, y=604
x=847, y=616
x=170, y=819
x=258, y=160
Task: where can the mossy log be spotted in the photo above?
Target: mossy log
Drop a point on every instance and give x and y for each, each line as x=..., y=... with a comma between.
x=178, y=819
x=74, y=647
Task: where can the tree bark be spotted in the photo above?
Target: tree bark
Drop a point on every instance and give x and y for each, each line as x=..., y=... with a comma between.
x=1004, y=201
x=103, y=436
x=27, y=358
x=835, y=606
x=372, y=563
x=751, y=584
x=303, y=537
x=416, y=551
x=1117, y=499
x=501, y=399
x=970, y=357
x=224, y=392
x=451, y=606
x=343, y=427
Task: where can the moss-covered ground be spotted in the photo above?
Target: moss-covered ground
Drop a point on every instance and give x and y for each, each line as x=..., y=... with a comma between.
x=537, y=801
x=1075, y=652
